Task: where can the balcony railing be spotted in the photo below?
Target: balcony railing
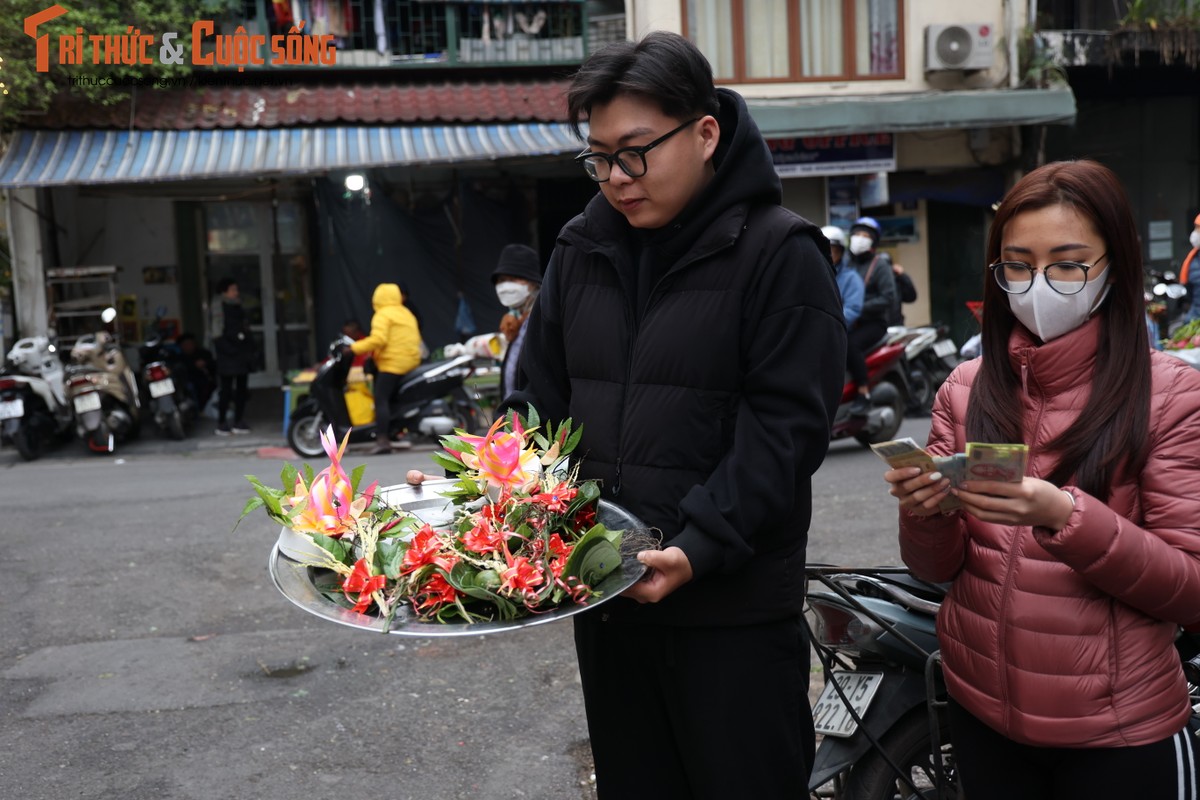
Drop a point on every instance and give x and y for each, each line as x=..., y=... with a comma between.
x=399, y=33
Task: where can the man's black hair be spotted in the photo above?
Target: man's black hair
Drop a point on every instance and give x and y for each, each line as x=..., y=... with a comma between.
x=664, y=68
x=224, y=284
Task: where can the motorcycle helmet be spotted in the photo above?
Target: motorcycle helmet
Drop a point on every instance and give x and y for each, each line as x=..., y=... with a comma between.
x=867, y=225
x=835, y=235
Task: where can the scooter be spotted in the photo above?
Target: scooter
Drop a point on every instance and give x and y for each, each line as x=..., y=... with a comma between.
x=33, y=402
x=102, y=390
x=930, y=355
x=169, y=403
x=881, y=714
x=431, y=401
x=887, y=378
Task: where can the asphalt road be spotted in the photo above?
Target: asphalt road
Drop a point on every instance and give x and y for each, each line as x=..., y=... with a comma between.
x=145, y=653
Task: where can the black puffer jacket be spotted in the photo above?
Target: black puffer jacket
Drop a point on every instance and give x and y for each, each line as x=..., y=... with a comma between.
x=707, y=407
x=882, y=300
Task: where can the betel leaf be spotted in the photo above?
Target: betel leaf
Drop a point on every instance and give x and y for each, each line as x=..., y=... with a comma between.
x=389, y=555
x=588, y=492
x=340, y=550
x=595, y=555
x=463, y=577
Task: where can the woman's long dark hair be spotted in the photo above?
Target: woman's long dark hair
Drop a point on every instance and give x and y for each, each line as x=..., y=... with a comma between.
x=1111, y=432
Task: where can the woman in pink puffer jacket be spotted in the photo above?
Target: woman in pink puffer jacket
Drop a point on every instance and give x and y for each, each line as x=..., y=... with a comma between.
x=1069, y=587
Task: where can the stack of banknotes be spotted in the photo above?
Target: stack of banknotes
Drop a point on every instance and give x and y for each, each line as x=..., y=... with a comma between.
x=981, y=462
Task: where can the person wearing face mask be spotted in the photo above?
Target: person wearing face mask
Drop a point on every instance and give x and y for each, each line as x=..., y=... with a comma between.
x=1069, y=586
x=1189, y=275
x=881, y=306
x=517, y=278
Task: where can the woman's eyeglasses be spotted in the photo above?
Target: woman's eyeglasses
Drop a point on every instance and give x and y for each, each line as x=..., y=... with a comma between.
x=1064, y=277
x=631, y=160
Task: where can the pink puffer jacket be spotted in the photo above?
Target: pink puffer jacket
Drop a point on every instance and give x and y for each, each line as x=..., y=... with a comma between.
x=1065, y=639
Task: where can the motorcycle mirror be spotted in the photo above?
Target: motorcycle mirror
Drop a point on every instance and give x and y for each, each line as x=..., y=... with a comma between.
x=108, y=315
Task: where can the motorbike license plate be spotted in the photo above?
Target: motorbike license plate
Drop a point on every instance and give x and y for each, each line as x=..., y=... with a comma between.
x=830, y=715
x=162, y=388
x=87, y=402
x=943, y=348
x=12, y=409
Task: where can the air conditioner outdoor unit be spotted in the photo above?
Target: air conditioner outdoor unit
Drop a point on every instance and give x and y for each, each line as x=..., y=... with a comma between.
x=959, y=47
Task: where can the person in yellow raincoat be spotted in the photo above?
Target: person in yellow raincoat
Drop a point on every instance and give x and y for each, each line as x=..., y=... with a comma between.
x=395, y=344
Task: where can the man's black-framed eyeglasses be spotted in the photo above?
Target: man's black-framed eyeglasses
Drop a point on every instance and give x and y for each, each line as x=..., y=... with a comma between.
x=1064, y=277
x=631, y=160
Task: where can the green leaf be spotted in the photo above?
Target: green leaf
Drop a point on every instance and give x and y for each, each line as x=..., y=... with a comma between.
x=463, y=578
x=355, y=477
x=448, y=463
x=340, y=550
x=572, y=442
x=389, y=554
x=595, y=555
x=288, y=477
x=253, y=504
x=457, y=445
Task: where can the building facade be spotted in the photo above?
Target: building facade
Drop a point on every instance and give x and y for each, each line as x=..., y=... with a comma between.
x=450, y=117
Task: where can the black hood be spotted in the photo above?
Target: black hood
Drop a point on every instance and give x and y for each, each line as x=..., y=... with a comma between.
x=744, y=174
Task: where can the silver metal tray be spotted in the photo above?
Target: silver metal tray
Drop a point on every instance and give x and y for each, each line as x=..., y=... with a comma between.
x=295, y=580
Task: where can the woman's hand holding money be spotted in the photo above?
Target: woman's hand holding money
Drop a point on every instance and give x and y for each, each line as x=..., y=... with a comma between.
x=918, y=492
x=1031, y=501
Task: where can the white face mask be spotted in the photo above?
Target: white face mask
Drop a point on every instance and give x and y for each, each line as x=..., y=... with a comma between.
x=1194, y=239
x=511, y=293
x=860, y=243
x=1049, y=314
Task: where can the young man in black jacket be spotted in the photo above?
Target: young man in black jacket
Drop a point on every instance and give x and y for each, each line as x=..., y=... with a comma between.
x=693, y=327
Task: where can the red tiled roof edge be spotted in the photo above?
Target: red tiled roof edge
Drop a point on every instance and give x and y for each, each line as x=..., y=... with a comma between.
x=313, y=105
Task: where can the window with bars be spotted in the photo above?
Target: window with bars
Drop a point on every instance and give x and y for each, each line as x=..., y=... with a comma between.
x=379, y=32
x=796, y=40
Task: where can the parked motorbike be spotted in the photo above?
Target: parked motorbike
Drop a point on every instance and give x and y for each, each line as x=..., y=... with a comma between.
x=1165, y=288
x=169, y=403
x=930, y=355
x=102, y=390
x=431, y=401
x=881, y=714
x=33, y=403
x=889, y=395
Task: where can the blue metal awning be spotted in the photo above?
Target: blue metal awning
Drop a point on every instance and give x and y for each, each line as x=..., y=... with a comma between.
x=59, y=158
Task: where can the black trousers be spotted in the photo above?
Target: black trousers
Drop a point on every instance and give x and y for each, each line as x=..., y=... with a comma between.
x=679, y=713
x=858, y=343
x=386, y=384
x=235, y=389
x=993, y=767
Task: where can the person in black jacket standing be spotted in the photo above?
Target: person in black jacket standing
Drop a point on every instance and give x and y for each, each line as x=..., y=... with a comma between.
x=235, y=356
x=693, y=327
